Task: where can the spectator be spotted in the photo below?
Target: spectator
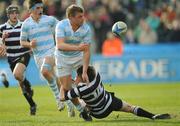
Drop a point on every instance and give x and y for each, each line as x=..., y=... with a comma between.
x=112, y=46
x=147, y=35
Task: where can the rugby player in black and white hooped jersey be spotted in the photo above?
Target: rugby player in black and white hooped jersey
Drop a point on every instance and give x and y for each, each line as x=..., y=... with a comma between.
x=101, y=102
x=18, y=56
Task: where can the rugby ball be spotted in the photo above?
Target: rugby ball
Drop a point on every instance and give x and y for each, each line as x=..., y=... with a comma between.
x=119, y=28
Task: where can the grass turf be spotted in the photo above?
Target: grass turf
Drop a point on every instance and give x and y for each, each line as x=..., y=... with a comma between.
x=157, y=98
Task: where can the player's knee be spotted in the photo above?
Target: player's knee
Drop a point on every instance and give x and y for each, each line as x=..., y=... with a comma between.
x=127, y=107
x=45, y=73
x=18, y=76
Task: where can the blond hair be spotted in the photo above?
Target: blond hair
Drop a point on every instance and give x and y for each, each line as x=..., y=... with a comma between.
x=73, y=9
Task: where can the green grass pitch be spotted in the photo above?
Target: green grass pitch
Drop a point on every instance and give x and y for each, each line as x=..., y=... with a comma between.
x=157, y=98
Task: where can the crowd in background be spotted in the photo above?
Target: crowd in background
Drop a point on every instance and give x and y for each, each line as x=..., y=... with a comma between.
x=149, y=21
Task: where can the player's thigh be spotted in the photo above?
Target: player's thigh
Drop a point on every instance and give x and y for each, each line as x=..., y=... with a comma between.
x=63, y=67
x=116, y=103
x=19, y=70
x=78, y=63
x=21, y=65
x=66, y=82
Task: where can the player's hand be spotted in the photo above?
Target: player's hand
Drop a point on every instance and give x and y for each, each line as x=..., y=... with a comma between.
x=5, y=35
x=2, y=50
x=33, y=43
x=85, y=78
x=83, y=46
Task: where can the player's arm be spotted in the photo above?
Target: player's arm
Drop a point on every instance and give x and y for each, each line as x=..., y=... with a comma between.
x=31, y=44
x=86, y=55
x=61, y=45
x=25, y=44
x=86, y=59
x=70, y=94
x=24, y=38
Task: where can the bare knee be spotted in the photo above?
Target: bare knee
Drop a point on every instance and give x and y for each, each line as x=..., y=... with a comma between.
x=18, y=76
x=127, y=107
x=45, y=73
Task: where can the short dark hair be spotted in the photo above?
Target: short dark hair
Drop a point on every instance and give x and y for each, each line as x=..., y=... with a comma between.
x=73, y=9
x=31, y=3
x=11, y=8
x=90, y=72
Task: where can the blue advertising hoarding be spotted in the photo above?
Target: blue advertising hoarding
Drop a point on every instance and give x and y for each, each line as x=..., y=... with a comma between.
x=156, y=63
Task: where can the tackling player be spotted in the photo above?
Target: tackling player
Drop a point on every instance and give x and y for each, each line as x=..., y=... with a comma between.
x=101, y=102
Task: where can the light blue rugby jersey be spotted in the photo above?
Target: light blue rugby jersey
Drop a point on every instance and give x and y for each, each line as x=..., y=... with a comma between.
x=82, y=35
x=42, y=32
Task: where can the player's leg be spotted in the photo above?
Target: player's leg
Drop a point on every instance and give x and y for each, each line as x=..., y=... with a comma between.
x=120, y=105
x=66, y=85
x=60, y=62
x=126, y=107
x=70, y=105
x=4, y=80
x=64, y=71
x=3, y=75
x=47, y=70
x=18, y=73
x=142, y=112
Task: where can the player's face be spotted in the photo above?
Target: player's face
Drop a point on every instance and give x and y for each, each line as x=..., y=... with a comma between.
x=78, y=19
x=13, y=16
x=38, y=11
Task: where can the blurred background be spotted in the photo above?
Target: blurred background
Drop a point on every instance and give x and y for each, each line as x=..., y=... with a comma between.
x=149, y=51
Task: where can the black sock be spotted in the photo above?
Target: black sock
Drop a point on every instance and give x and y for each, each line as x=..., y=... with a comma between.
x=28, y=98
x=143, y=113
x=27, y=85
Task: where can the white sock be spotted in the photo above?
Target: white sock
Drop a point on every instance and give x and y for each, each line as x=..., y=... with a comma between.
x=55, y=90
x=69, y=104
x=80, y=108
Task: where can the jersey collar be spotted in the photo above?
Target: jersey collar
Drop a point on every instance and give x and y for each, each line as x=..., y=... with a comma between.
x=10, y=26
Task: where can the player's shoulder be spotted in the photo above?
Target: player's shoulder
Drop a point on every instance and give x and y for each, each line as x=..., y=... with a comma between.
x=47, y=17
x=63, y=23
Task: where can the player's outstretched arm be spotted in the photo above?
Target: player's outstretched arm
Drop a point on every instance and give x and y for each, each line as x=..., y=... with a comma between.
x=71, y=94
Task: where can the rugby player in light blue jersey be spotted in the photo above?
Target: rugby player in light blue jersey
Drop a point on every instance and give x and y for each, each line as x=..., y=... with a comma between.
x=73, y=38
x=37, y=33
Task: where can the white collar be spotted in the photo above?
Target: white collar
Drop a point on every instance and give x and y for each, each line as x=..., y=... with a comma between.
x=10, y=26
